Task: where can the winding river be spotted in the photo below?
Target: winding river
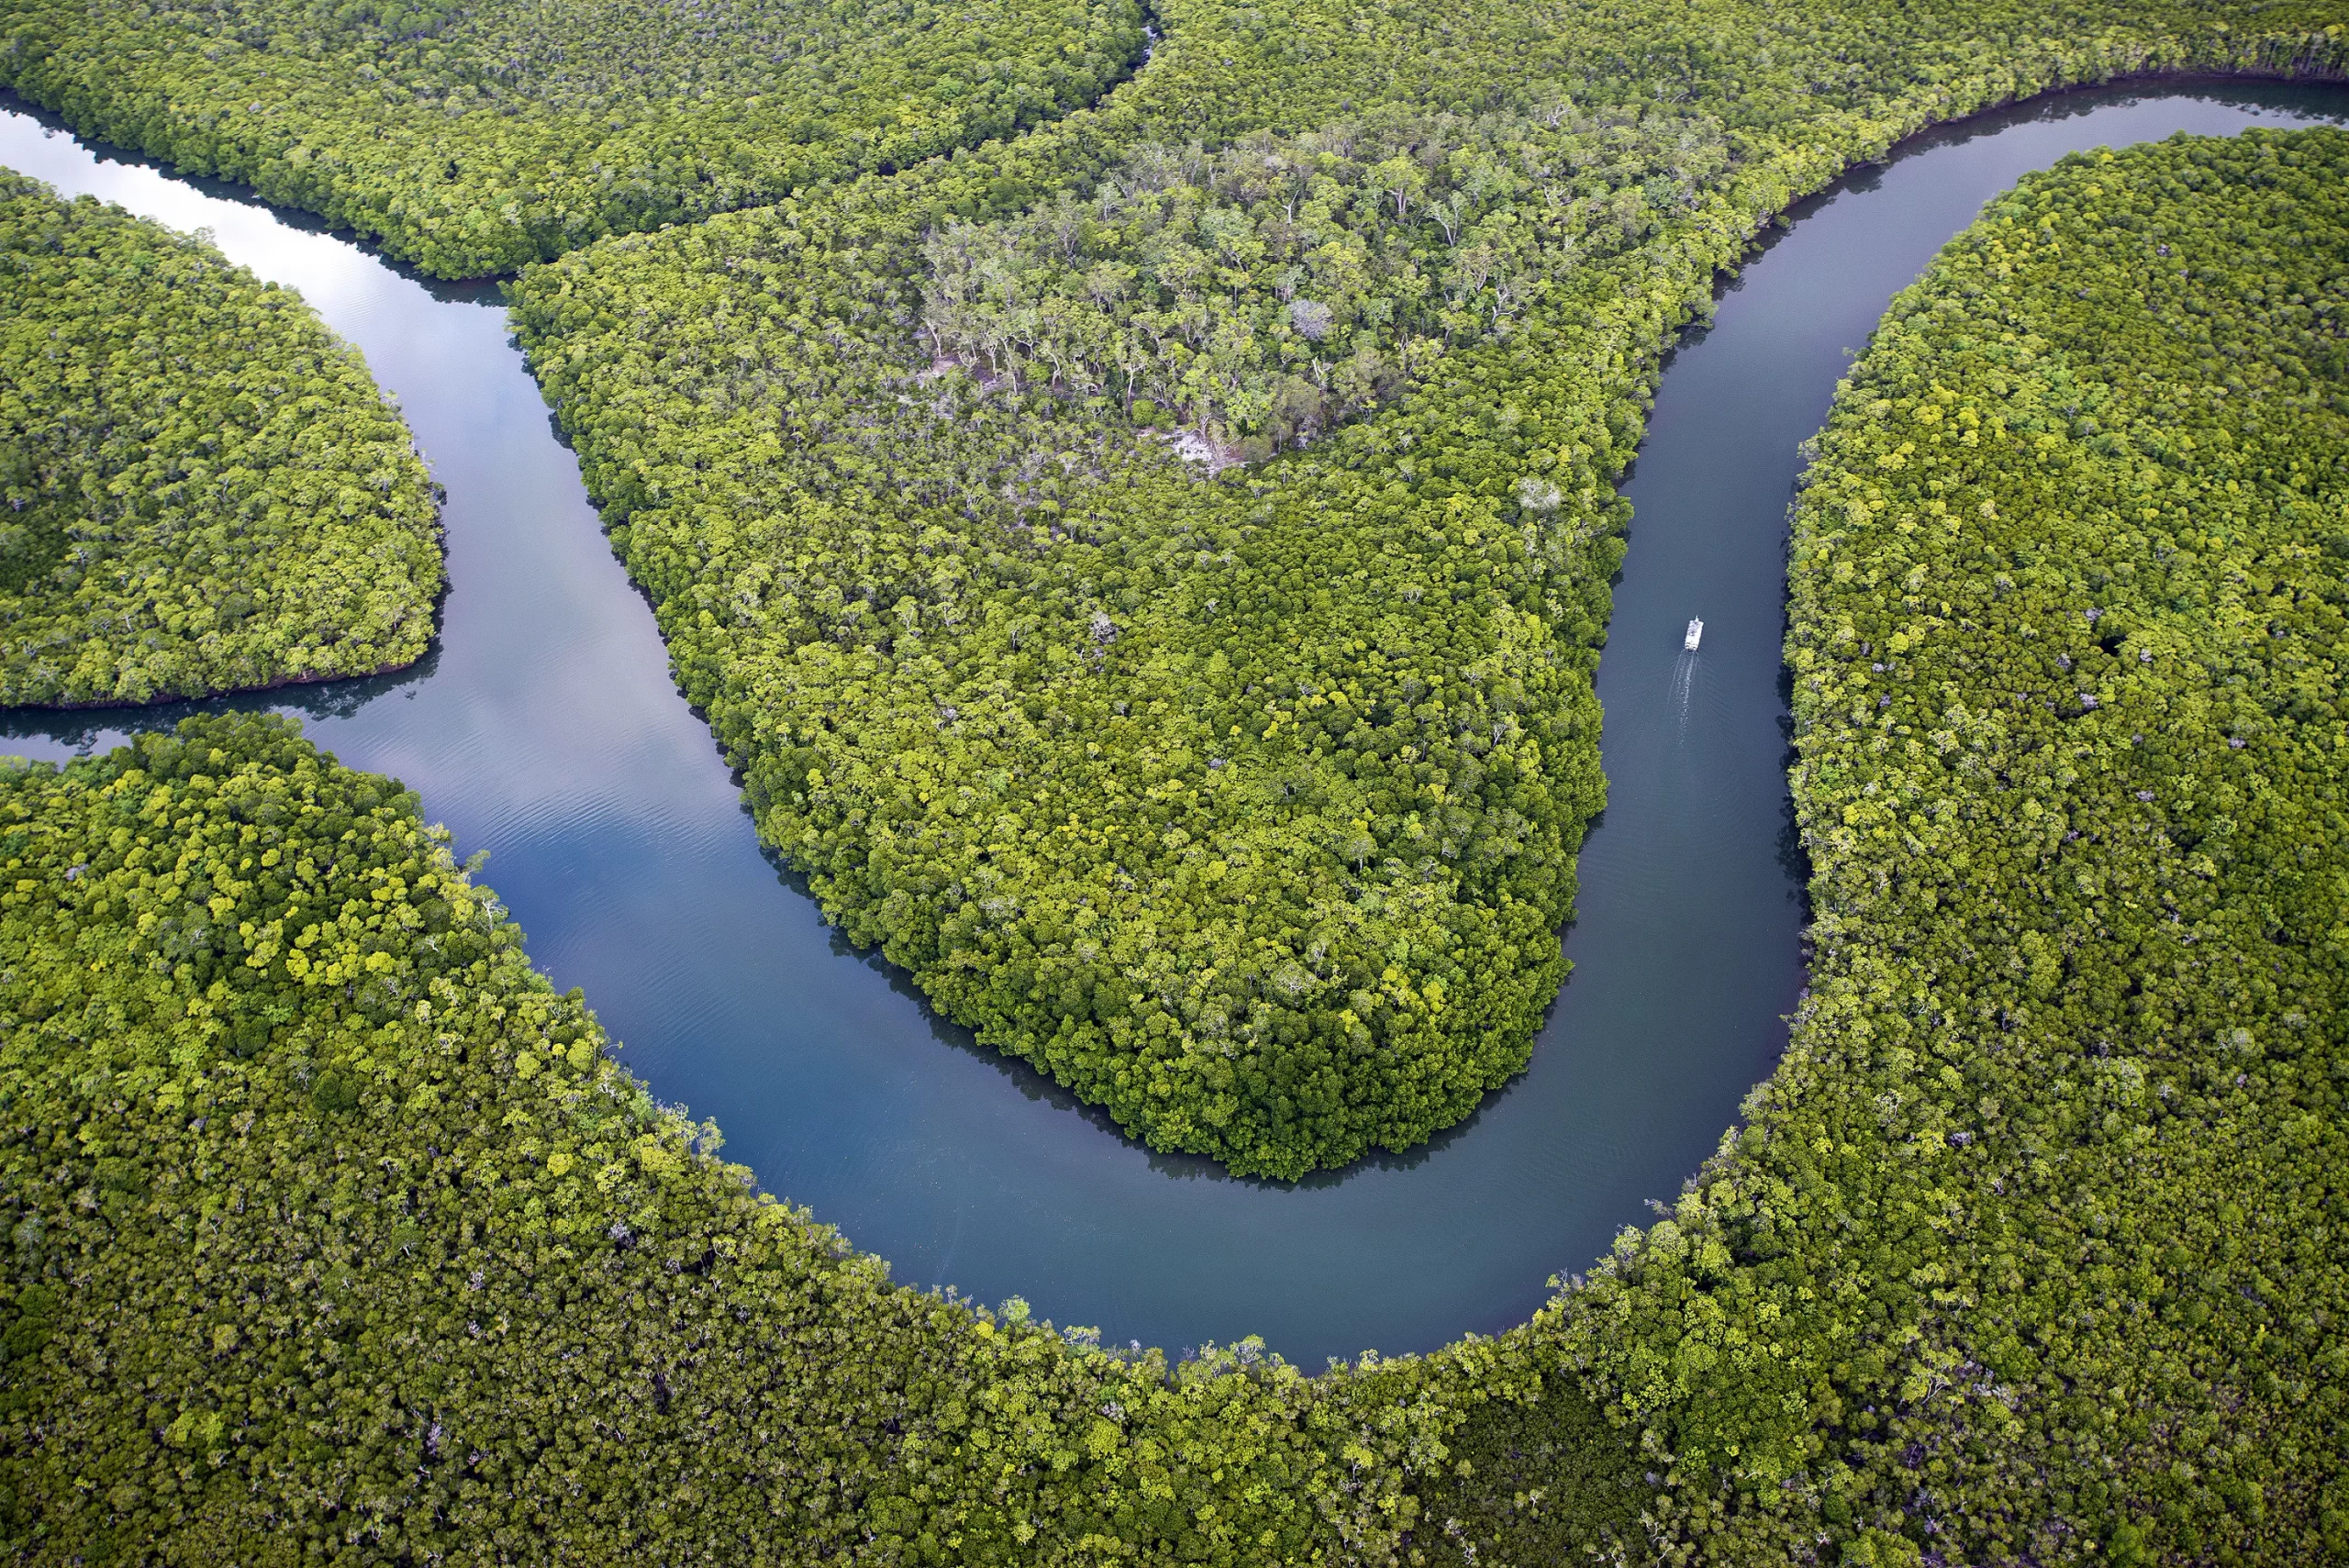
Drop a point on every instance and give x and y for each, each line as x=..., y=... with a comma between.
x=544, y=730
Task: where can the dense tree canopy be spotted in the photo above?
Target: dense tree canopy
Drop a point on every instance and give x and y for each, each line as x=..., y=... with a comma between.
x=334, y=1233
x=1260, y=295
x=1241, y=796
x=473, y=138
x=1240, y=791
x=334, y=1228
x=2031, y=1248
x=201, y=488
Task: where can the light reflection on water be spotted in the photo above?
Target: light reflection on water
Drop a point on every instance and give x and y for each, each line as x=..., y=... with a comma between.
x=544, y=728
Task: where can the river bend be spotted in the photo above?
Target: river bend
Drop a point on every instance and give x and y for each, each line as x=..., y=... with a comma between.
x=544, y=730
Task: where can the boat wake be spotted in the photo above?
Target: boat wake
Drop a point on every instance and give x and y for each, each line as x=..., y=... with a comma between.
x=1684, y=689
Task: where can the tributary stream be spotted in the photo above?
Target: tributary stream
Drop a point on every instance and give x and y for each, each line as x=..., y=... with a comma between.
x=544, y=730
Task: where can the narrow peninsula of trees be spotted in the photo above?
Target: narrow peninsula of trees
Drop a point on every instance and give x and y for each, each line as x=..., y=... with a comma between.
x=1152, y=592
x=201, y=488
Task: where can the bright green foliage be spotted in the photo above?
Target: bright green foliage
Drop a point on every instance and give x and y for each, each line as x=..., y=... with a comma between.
x=2032, y=1251
x=1247, y=807
x=473, y=137
x=201, y=488
x=331, y=1228
x=331, y=1231
x=1244, y=806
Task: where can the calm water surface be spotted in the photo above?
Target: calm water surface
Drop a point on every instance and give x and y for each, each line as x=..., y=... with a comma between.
x=545, y=730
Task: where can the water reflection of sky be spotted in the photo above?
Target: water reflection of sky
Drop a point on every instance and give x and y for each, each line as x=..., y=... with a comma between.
x=544, y=728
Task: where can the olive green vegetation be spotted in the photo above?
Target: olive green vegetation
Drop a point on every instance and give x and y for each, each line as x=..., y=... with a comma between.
x=2031, y=1250
x=333, y=1233
x=470, y=138
x=1548, y=1476
x=203, y=488
x=1152, y=592
x=1257, y=297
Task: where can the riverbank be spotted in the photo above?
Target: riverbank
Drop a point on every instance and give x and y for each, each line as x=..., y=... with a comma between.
x=548, y=732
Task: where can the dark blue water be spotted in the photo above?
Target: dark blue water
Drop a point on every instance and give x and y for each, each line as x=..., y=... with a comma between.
x=545, y=730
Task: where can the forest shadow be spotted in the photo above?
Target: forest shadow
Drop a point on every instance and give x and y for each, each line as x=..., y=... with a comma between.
x=2064, y=103
x=84, y=729
x=468, y=291
x=1038, y=1086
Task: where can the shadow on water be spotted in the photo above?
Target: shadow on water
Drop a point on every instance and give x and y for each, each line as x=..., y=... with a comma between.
x=81, y=728
x=544, y=727
x=464, y=291
x=1035, y=1086
x=1794, y=860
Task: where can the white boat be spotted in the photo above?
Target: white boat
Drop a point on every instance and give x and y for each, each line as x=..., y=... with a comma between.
x=1695, y=634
